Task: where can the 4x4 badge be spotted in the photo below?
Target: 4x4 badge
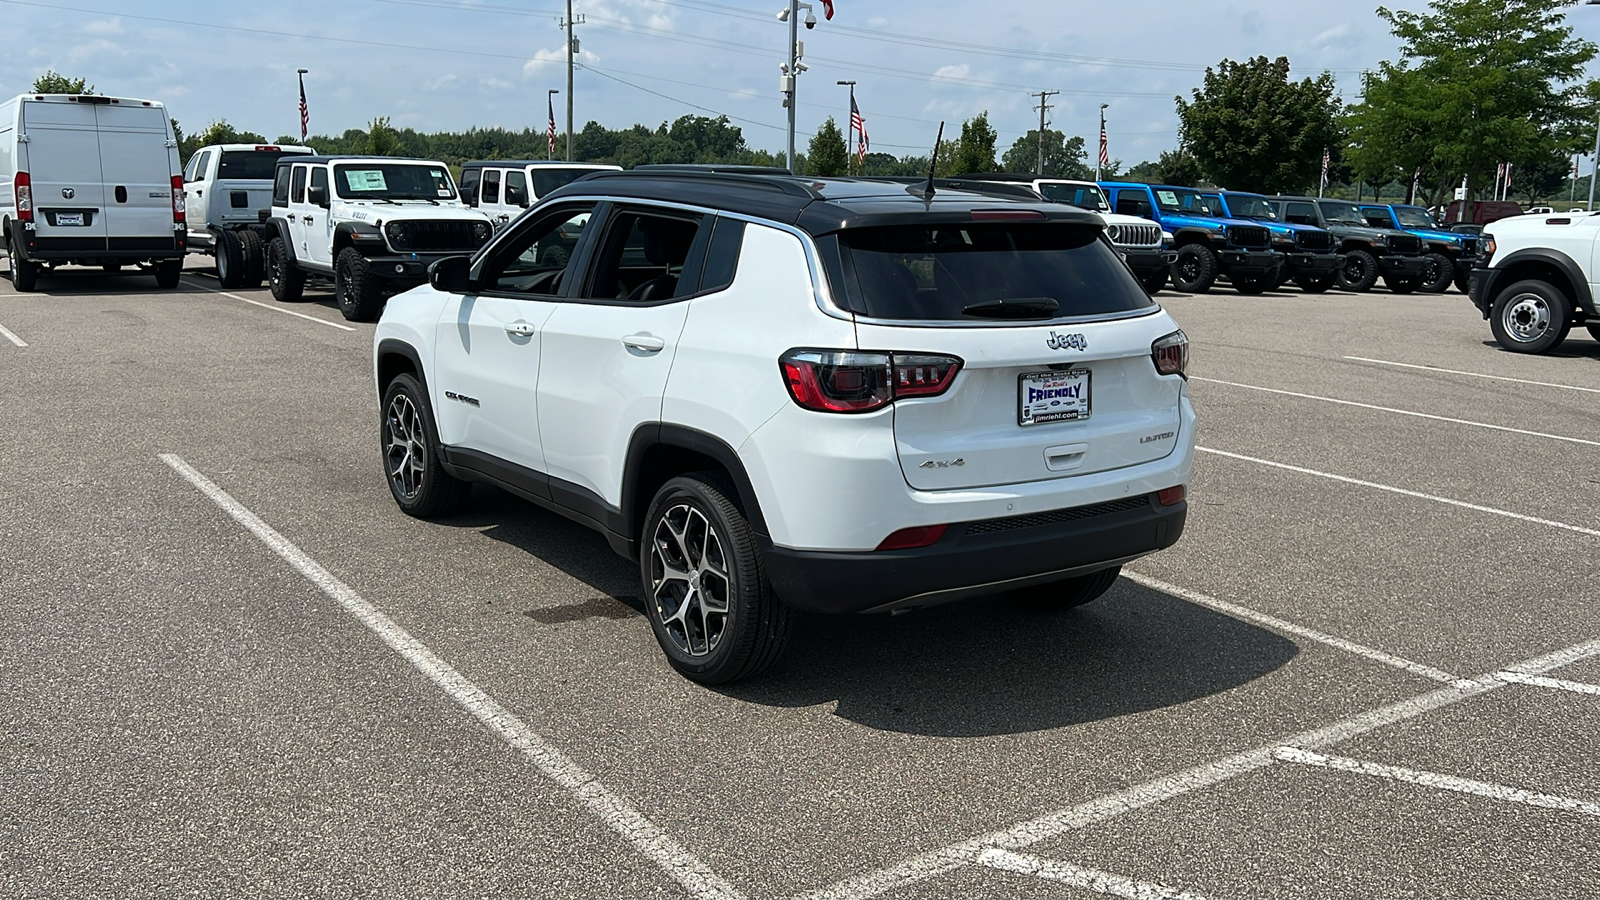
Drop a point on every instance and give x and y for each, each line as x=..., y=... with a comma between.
x=1067, y=341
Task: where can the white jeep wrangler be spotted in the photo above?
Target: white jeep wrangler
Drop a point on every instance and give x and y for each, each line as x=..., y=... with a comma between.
x=1533, y=279
x=370, y=225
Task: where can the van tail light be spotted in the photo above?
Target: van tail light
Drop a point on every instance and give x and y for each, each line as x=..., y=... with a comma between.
x=1171, y=354
x=179, y=207
x=849, y=381
x=914, y=538
x=24, y=186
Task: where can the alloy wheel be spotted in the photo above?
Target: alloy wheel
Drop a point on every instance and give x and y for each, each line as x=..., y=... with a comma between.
x=690, y=584
x=404, y=455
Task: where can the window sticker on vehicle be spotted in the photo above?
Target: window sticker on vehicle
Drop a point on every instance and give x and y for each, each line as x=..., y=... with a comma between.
x=365, y=180
x=1167, y=197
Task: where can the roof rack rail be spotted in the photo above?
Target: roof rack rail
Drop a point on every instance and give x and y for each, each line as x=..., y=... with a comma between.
x=784, y=182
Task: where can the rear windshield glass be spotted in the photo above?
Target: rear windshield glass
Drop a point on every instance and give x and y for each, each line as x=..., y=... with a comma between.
x=547, y=180
x=251, y=164
x=962, y=272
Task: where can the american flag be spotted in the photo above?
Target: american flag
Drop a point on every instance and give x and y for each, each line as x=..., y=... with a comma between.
x=305, y=113
x=827, y=9
x=552, y=131
x=1506, y=189
x=859, y=125
x=1105, y=152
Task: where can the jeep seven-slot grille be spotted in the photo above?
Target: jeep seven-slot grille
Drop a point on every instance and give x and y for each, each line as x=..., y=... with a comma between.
x=1314, y=241
x=1251, y=236
x=1407, y=244
x=433, y=236
x=1127, y=504
x=1135, y=235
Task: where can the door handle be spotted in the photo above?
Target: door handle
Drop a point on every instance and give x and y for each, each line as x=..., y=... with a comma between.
x=648, y=343
x=198, y=192
x=290, y=217
x=307, y=219
x=520, y=329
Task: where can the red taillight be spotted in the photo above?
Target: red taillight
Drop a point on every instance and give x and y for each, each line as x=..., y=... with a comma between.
x=1171, y=354
x=1172, y=496
x=179, y=207
x=848, y=381
x=24, y=188
x=913, y=538
x=267, y=148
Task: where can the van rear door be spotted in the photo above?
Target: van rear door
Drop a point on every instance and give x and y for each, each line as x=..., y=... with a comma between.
x=137, y=167
x=64, y=167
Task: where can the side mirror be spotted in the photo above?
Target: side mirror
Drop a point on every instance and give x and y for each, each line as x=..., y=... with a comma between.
x=451, y=275
x=318, y=195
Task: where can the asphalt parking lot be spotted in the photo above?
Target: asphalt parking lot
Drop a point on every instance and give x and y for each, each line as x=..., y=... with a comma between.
x=232, y=668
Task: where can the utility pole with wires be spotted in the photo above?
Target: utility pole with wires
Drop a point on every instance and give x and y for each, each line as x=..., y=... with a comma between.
x=850, y=129
x=1044, y=107
x=572, y=51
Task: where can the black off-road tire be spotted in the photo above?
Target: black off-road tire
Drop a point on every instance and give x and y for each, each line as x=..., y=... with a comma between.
x=705, y=645
x=554, y=256
x=24, y=272
x=1155, y=281
x=1463, y=281
x=1359, y=272
x=409, y=442
x=287, y=282
x=1530, y=316
x=1436, y=278
x=1196, y=269
x=1069, y=594
x=230, y=260
x=1402, y=284
x=359, y=291
x=168, y=273
x=255, y=259
x=1316, y=284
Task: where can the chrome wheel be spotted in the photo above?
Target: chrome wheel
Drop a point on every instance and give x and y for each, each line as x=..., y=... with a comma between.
x=404, y=447
x=689, y=580
x=1526, y=317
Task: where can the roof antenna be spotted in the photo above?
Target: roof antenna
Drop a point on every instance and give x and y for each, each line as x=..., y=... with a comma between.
x=926, y=191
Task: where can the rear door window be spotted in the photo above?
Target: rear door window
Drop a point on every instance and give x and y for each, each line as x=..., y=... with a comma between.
x=491, y=185
x=974, y=272
x=469, y=186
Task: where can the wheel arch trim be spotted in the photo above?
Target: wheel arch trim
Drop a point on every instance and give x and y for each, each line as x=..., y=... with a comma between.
x=652, y=435
x=1577, y=286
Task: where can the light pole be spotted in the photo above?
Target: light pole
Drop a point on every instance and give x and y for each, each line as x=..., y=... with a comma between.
x=792, y=69
x=1100, y=156
x=550, y=105
x=850, y=126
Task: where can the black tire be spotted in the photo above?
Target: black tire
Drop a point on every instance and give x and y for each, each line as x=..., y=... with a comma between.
x=410, y=445
x=554, y=256
x=1401, y=285
x=230, y=260
x=360, y=295
x=1530, y=317
x=1316, y=284
x=24, y=272
x=1280, y=275
x=1594, y=331
x=1436, y=278
x=1462, y=281
x=1196, y=269
x=255, y=262
x=1155, y=281
x=168, y=273
x=287, y=282
x=1069, y=594
x=695, y=515
x=1250, y=284
x=1359, y=272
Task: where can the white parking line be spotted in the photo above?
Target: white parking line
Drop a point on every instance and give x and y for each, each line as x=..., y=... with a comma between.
x=1401, y=412
x=683, y=867
x=279, y=309
x=8, y=335
x=1277, y=624
x=1565, y=387
x=968, y=852
x=1438, y=780
x=1557, y=684
x=1404, y=492
x=1081, y=878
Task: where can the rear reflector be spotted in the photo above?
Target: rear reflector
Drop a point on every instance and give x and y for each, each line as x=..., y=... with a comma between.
x=1172, y=496
x=913, y=538
x=1007, y=215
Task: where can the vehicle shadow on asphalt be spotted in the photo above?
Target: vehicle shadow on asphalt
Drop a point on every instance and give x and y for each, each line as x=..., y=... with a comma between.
x=1571, y=348
x=75, y=281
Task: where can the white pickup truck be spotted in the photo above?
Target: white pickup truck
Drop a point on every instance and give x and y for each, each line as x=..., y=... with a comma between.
x=226, y=187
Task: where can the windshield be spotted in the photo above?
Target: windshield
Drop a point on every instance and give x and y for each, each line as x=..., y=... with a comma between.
x=393, y=181
x=1414, y=217
x=1250, y=206
x=1341, y=213
x=1187, y=203
x=249, y=165
x=963, y=272
x=1085, y=196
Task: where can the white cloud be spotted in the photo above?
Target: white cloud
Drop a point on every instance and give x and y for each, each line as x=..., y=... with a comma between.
x=946, y=72
x=495, y=85
x=445, y=83
x=1332, y=34
x=103, y=26
x=549, y=60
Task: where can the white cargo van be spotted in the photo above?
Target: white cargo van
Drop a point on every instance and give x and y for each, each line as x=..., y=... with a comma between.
x=90, y=180
x=502, y=188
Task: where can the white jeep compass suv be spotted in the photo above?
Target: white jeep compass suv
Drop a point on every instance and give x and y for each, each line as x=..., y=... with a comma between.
x=781, y=393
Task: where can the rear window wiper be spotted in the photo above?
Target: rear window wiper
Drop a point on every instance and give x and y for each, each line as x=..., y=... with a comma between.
x=1013, y=308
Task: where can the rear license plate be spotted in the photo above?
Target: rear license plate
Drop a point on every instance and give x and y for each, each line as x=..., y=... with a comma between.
x=1052, y=397
x=69, y=218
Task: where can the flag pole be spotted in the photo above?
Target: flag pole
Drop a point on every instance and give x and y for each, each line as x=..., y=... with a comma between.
x=849, y=128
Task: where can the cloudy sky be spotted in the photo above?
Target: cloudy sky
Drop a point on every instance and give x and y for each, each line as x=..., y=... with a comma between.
x=452, y=64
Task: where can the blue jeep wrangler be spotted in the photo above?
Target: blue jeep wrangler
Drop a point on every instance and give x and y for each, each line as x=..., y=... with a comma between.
x=1209, y=243
x=1450, y=255
x=1310, y=254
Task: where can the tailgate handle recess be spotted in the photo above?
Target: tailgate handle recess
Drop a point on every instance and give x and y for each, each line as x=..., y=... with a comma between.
x=1065, y=457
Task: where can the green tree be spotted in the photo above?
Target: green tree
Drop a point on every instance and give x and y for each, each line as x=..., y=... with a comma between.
x=218, y=132
x=1180, y=169
x=1251, y=128
x=1064, y=157
x=382, y=140
x=53, y=82
x=973, y=151
x=826, y=154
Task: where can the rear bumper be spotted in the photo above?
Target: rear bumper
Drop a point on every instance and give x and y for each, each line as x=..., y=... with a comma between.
x=68, y=249
x=1145, y=263
x=1249, y=262
x=1402, y=266
x=974, y=558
